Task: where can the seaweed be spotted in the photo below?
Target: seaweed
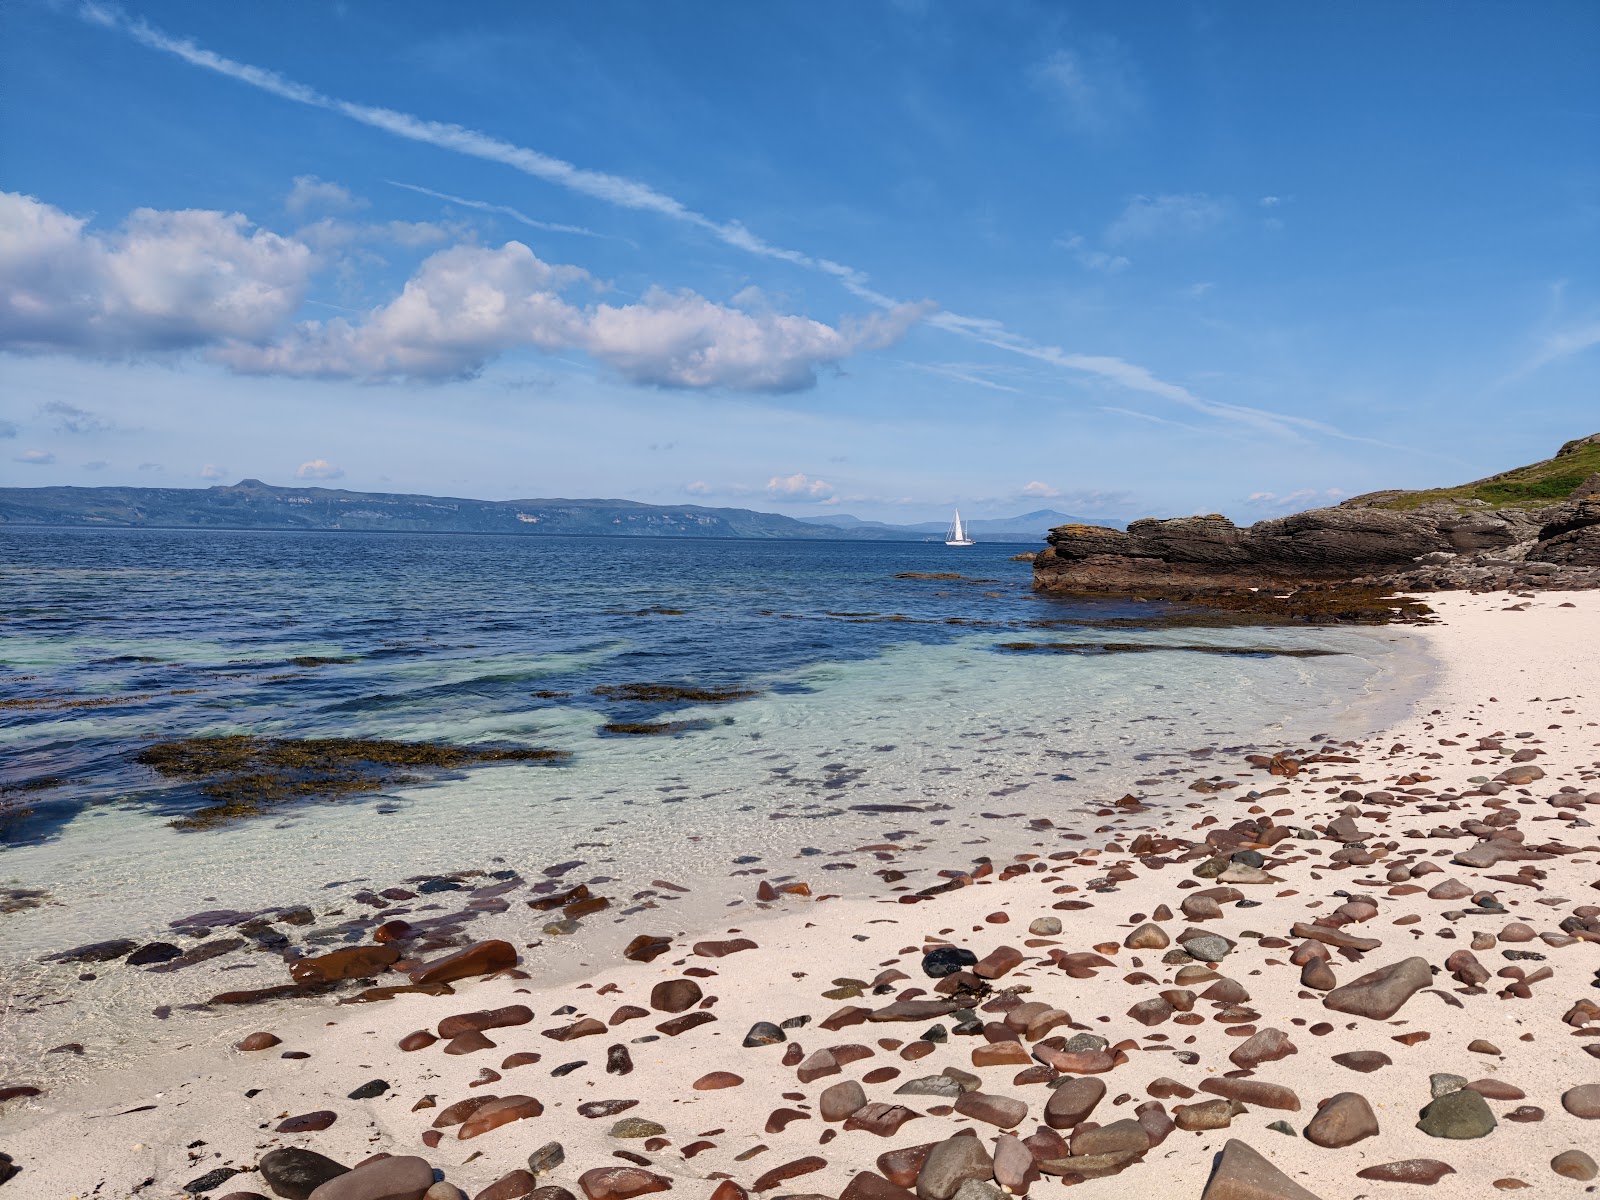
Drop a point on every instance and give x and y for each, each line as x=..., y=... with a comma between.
x=57, y=702
x=249, y=775
x=928, y=575
x=1143, y=647
x=316, y=660
x=652, y=728
x=654, y=693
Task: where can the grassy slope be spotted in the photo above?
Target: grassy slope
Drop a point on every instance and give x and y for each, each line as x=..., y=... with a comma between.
x=1533, y=486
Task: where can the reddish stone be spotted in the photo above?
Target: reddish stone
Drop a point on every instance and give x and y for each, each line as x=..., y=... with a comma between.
x=497, y=1113
x=621, y=1183
x=489, y=1018
x=480, y=958
x=352, y=963
x=723, y=949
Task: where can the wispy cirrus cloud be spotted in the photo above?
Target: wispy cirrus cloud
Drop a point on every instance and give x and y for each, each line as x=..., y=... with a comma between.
x=1096, y=81
x=1094, y=85
x=504, y=210
x=1177, y=215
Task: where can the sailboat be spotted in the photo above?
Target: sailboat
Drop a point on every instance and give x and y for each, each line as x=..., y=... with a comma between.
x=958, y=535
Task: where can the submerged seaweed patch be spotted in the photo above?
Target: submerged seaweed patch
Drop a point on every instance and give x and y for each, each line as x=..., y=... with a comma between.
x=652, y=728
x=317, y=660
x=247, y=775
x=665, y=692
x=1144, y=647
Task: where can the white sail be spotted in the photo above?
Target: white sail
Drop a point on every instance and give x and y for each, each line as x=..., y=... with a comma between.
x=958, y=535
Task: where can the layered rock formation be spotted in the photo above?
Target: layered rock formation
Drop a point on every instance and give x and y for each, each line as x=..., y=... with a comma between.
x=1429, y=541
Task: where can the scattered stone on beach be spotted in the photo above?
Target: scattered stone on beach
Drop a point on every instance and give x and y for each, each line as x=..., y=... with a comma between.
x=498, y=1112
x=307, y=1122
x=1365, y=1061
x=1583, y=1101
x=717, y=1080
x=621, y=1183
x=294, y=1173
x=480, y=958
x=675, y=995
x=1461, y=1114
x=1242, y=1173
x=951, y=1163
x=1380, y=994
x=258, y=1041
x=477, y=1022
x=1342, y=1120
x=764, y=1033
x=788, y=1171
x=1426, y=1171
x=357, y=962
x=1574, y=1164
x=636, y=1127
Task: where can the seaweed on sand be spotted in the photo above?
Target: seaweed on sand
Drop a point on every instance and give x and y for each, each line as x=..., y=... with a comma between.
x=1142, y=647
x=655, y=693
x=248, y=775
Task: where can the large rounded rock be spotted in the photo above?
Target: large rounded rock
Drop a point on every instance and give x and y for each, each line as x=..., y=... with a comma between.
x=1073, y=1101
x=1574, y=1164
x=401, y=1177
x=621, y=1183
x=675, y=995
x=1583, y=1101
x=480, y=958
x=294, y=1174
x=1458, y=1115
x=1343, y=1120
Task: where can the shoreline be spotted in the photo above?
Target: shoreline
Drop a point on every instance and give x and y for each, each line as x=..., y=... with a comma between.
x=858, y=937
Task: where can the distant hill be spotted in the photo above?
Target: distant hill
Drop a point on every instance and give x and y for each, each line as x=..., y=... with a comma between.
x=1029, y=527
x=251, y=504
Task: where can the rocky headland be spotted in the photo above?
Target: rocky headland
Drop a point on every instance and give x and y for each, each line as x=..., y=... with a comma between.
x=1535, y=527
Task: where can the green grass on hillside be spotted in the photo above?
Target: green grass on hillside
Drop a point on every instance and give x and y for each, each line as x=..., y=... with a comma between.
x=1539, y=484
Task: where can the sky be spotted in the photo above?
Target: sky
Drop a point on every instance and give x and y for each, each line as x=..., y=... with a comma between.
x=875, y=257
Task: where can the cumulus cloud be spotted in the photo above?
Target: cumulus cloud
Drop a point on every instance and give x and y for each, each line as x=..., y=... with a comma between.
x=698, y=488
x=468, y=304
x=1094, y=83
x=212, y=471
x=197, y=280
x=35, y=458
x=1042, y=490
x=162, y=281
x=799, y=486
x=1146, y=217
x=311, y=194
x=318, y=468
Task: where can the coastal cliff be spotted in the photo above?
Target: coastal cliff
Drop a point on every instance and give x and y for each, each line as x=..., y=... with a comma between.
x=1535, y=526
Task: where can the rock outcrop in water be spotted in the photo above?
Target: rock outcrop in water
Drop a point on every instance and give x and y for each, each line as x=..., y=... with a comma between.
x=1545, y=533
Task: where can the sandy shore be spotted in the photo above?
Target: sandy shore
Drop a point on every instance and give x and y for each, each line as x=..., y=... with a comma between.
x=1518, y=673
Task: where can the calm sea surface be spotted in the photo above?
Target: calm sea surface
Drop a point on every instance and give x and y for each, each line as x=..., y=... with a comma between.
x=885, y=709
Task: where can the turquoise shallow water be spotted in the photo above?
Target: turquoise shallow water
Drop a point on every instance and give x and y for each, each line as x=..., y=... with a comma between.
x=918, y=728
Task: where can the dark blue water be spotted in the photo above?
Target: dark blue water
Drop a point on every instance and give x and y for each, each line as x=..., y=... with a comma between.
x=112, y=638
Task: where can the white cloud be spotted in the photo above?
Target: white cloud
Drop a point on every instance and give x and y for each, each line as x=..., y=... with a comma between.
x=35, y=458
x=1145, y=217
x=1095, y=83
x=212, y=471
x=318, y=468
x=163, y=281
x=150, y=466
x=504, y=210
x=467, y=304
x=311, y=194
x=1564, y=343
x=800, y=486
x=1270, y=201
x=98, y=464
x=698, y=488
x=1041, y=490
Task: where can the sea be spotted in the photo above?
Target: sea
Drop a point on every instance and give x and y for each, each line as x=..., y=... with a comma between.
x=886, y=699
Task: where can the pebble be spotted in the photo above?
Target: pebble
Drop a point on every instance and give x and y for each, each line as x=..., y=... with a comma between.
x=1426, y=1171
x=1460, y=1115
x=294, y=1173
x=1574, y=1164
x=1341, y=1121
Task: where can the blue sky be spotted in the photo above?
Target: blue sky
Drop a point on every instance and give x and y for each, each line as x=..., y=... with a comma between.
x=867, y=257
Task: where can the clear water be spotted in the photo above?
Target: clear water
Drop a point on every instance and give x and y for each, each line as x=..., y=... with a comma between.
x=448, y=638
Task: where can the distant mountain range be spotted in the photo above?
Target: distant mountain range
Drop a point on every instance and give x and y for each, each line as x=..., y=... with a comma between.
x=251, y=504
